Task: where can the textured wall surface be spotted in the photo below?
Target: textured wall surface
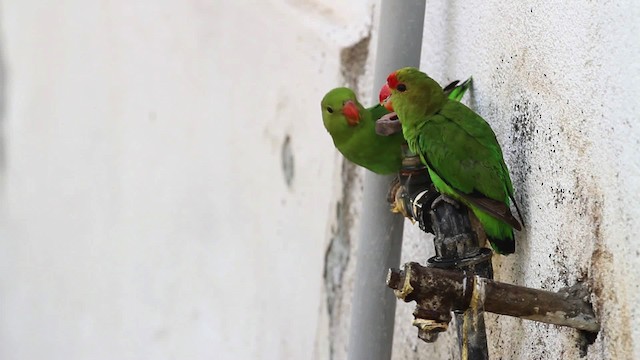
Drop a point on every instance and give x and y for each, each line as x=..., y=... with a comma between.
x=559, y=85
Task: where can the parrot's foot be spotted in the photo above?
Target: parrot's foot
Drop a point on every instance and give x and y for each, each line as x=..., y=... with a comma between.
x=398, y=208
x=394, y=186
x=394, y=197
x=444, y=198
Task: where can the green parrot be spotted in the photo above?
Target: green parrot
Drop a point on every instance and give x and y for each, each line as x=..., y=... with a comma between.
x=352, y=128
x=460, y=150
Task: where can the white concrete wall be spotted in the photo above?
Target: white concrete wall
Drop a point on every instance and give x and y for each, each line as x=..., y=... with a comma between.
x=145, y=211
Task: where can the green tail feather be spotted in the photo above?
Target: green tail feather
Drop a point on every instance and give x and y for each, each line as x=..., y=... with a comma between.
x=456, y=92
x=500, y=234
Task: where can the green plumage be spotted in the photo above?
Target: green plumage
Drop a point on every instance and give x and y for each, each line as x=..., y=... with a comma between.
x=460, y=150
x=360, y=143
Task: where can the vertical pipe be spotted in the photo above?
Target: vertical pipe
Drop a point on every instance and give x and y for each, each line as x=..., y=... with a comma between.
x=455, y=244
x=380, y=241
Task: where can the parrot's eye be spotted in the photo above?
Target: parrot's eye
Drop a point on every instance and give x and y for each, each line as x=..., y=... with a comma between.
x=401, y=87
x=329, y=109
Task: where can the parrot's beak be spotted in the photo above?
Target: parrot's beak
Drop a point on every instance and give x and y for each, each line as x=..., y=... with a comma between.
x=385, y=97
x=351, y=112
x=385, y=92
x=388, y=104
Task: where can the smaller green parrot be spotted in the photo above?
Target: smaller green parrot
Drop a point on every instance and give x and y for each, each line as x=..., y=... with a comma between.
x=460, y=150
x=353, y=128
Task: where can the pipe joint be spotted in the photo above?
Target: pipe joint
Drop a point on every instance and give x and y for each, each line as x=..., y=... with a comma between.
x=439, y=291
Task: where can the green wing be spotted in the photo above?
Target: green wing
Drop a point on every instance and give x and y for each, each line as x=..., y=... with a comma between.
x=475, y=161
x=465, y=162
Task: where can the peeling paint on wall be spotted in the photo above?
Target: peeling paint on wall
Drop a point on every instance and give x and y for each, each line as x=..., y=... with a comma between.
x=338, y=258
x=339, y=265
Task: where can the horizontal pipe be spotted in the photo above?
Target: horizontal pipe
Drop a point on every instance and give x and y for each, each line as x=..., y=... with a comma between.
x=537, y=305
x=450, y=290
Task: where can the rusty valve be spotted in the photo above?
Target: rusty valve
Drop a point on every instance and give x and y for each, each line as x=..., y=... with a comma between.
x=437, y=292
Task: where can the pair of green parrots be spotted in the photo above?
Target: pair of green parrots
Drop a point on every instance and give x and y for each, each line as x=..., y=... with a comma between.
x=458, y=146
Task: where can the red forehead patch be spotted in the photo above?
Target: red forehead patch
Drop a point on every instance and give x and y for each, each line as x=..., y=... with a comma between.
x=392, y=80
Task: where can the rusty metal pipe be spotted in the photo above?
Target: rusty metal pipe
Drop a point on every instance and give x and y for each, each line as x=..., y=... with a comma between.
x=538, y=305
x=456, y=247
x=449, y=290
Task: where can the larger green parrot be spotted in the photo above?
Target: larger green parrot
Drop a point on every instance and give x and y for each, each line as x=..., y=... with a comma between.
x=352, y=128
x=460, y=151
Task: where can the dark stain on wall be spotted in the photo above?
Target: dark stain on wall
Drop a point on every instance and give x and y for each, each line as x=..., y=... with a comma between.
x=522, y=133
x=287, y=160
